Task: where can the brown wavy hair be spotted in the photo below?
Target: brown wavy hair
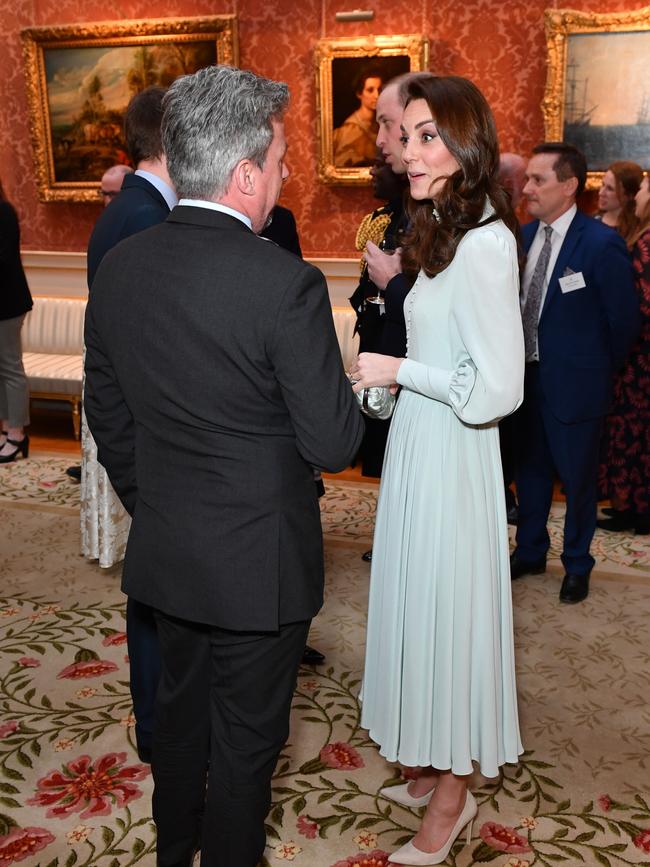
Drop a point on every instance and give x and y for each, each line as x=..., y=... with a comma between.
x=628, y=177
x=465, y=123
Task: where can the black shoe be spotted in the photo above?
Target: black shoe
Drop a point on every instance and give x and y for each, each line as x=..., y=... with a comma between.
x=621, y=520
x=607, y=510
x=513, y=515
x=311, y=656
x=519, y=567
x=575, y=588
x=642, y=525
x=144, y=754
x=22, y=447
x=74, y=473
x=367, y=557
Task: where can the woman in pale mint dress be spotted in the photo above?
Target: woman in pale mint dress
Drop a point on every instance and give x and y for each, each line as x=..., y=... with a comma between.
x=439, y=685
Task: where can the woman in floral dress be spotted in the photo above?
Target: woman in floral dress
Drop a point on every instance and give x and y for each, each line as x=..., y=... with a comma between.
x=627, y=455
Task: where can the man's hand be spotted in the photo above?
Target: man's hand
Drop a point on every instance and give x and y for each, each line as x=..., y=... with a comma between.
x=382, y=267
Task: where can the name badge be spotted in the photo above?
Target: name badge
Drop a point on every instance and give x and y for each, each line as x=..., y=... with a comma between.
x=571, y=282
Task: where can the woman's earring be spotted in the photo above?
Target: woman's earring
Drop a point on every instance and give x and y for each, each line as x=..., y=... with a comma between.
x=435, y=214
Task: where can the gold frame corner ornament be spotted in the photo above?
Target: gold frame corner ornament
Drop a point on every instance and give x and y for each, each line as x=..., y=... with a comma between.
x=414, y=46
x=559, y=26
x=35, y=40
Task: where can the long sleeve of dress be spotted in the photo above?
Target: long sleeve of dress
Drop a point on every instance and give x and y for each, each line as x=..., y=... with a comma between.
x=487, y=382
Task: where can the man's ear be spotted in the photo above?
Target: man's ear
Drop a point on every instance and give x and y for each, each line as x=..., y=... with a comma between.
x=571, y=186
x=244, y=177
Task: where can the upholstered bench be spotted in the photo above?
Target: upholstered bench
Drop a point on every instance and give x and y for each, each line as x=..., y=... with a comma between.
x=52, y=339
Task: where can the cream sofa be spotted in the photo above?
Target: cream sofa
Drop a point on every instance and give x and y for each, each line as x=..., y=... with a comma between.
x=52, y=338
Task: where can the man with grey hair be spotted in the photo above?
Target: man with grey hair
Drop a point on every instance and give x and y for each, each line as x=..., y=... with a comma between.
x=210, y=403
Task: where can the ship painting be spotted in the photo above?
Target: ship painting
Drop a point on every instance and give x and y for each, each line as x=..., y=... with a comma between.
x=606, y=100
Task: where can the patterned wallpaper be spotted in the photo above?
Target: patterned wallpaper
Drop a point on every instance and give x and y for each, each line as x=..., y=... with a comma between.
x=500, y=45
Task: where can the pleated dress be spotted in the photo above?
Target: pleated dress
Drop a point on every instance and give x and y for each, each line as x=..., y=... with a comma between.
x=439, y=682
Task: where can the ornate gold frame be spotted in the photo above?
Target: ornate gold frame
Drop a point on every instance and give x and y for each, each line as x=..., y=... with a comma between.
x=222, y=29
x=560, y=24
x=415, y=46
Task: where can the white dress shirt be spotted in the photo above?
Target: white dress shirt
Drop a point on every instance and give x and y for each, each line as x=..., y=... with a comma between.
x=168, y=194
x=217, y=206
x=560, y=228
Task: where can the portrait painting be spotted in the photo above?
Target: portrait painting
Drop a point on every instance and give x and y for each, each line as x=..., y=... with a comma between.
x=350, y=76
x=81, y=78
x=598, y=90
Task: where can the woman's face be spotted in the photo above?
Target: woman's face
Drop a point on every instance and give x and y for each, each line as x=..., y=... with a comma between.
x=370, y=93
x=607, y=195
x=643, y=196
x=428, y=160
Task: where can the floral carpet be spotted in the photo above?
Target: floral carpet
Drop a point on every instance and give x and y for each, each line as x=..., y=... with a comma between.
x=72, y=791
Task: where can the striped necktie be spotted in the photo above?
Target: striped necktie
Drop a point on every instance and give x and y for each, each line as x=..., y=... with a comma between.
x=530, y=315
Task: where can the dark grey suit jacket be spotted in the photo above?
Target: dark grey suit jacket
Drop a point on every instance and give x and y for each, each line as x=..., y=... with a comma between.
x=210, y=402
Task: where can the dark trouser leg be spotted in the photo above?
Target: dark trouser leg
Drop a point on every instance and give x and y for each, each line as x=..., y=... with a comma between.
x=575, y=449
x=507, y=440
x=373, y=446
x=253, y=680
x=182, y=737
x=534, y=472
x=144, y=663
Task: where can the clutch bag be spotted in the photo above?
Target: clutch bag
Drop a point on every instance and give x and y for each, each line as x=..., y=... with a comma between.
x=376, y=402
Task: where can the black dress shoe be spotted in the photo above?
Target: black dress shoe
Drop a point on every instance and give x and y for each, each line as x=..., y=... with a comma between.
x=519, y=567
x=367, y=557
x=621, y=519
x=144, y=754
x=74, y=473
x=575, y=588
x=311, y=656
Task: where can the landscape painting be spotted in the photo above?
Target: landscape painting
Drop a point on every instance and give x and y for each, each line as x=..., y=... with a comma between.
x=80, y=88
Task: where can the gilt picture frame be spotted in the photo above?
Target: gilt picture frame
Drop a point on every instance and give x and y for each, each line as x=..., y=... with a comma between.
x=80, y=78
x=349, y=75
x=597, y=93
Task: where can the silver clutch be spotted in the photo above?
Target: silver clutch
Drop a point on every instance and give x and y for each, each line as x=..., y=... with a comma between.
x=376, y=402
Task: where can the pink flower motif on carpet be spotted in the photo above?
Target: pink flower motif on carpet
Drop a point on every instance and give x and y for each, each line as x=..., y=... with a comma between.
x=517, y=862
x=503, y=839
x=8, y=728
x=341, y=757
x=605, y=803
x=87, y=664
x=78, y=834
x=642, y=841
x=20, y=843
x=306, y=827
x=376, y=858
x=365, y=840
x=29, y=662
x=89, y=787
x=287, y=851
x=115, y=638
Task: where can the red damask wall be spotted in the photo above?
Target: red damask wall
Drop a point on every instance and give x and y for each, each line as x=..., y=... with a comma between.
x=497, y=43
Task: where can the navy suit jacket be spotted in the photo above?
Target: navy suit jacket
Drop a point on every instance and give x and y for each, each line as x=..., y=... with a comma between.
x=585, y=335
x=138, y=206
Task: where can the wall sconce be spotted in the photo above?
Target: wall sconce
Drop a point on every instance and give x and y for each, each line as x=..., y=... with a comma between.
x=356, y=15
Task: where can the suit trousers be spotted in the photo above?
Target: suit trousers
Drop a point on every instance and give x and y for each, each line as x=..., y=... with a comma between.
x=223, y=701
x=14, y=389
x=544, y=445
x=144, y=667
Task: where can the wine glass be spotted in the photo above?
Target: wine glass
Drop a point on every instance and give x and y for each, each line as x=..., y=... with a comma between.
x=388, y=244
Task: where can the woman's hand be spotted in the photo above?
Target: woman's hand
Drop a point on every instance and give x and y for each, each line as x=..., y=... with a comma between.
x=372, y=369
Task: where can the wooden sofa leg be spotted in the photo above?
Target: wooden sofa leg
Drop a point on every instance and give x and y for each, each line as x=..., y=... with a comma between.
x=76, y=417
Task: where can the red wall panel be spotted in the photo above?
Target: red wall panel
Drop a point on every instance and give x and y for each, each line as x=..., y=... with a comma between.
x=498, y=45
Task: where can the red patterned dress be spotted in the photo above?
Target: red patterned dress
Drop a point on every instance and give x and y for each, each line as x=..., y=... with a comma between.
x=626, y=469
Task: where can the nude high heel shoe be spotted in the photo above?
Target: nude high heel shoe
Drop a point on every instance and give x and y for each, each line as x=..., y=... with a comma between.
x=400, y=795
x=411, y=855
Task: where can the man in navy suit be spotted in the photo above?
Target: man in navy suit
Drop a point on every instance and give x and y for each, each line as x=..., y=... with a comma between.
x=581, y=316
x=145, y=200
x=146, y=196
